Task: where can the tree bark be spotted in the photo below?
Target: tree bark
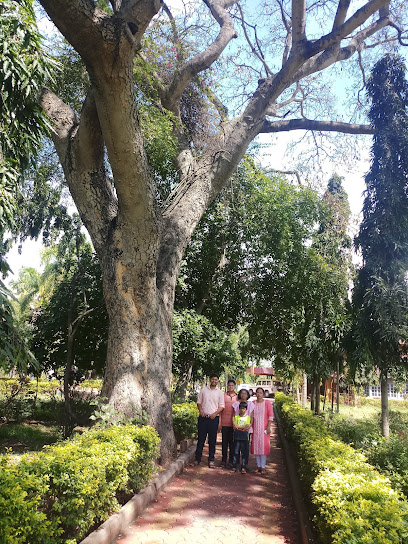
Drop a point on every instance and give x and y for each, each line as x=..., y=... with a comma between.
x=304, y=390
x=316, y=383
x=385, y=415
x=138, y=366
x=338, y=387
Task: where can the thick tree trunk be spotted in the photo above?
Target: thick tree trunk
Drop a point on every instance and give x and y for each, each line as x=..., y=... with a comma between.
x=138, y=366
x=385, y=416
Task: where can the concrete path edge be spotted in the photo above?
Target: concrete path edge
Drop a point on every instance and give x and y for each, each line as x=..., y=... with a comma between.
x=112, y=527
x=306, y=534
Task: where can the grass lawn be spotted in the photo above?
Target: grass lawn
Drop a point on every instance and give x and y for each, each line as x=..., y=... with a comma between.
x=368, y=410
x=22, y=437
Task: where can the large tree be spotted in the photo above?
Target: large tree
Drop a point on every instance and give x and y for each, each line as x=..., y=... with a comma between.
x=380, y=297
x=140, y=238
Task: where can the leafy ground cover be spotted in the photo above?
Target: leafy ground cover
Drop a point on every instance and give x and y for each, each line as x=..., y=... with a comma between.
x=361, y=428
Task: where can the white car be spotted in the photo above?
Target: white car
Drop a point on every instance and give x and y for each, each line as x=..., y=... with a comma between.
x=249, y=387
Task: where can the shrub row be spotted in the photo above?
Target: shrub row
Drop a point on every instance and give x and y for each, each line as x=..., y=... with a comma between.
x=390, y=457
x=352, y=503
x=59, y=494
x=185, y=420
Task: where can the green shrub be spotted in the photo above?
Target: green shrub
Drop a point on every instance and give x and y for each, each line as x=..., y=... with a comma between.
x=79, y=480
x=352, y=502
x=185, y=420
x=390, y=457
x=22, y=519
x=356, y=432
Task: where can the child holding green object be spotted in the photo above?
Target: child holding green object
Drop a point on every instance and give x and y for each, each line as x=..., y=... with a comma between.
x=241, y=424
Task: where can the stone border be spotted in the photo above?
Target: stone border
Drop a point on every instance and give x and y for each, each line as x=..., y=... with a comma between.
x=305, y=529
x=112, y=527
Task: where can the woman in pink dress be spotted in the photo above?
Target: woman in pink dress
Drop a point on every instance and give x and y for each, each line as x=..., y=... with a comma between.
x=261, y=417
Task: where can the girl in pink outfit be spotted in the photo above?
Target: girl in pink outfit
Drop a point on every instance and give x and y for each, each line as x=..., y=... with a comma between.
x=261, y=417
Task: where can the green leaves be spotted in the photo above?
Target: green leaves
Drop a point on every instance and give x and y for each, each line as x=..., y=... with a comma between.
x=24, y=68
x=380, y=297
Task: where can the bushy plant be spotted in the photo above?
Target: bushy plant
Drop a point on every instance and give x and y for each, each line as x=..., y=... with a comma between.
x=105, y=415
x=352, y=502
x=76, y=483
x=358, y=433
x=22, y=519
x=185, y=420
x=390, y=457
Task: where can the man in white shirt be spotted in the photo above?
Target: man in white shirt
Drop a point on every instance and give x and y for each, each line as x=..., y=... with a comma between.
x=210, y=404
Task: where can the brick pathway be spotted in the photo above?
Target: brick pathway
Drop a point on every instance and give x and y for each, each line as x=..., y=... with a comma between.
x=214, y=506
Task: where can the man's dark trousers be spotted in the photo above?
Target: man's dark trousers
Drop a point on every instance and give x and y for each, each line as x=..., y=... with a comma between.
x=227, y=443
x=207, y=426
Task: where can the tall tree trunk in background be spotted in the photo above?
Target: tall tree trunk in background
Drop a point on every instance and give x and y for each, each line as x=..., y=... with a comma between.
x=385, y=415
x=316, y=383
x=338, y=387
x=183, y=381
x=312, y=396
x=304, y=390
x=68, y=415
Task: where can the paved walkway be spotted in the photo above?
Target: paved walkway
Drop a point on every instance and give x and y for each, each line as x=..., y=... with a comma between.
x=214, y=506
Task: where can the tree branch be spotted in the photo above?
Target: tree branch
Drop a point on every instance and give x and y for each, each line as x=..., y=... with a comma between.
x=259, y=55
x=347, y=28
x=288, y=172
x=298, y=22
x=81, y=151
x=80, y=21
x=203, y=60
x=341, y=13
x=311, y=124
x=64, y=121
x=334, y=54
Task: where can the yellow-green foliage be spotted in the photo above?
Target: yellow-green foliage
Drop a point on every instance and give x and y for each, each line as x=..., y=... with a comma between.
x=44, y=387
x=91, y=384
x=75, y=483
x=22, y=519
x=353, y=503
x=185, y=420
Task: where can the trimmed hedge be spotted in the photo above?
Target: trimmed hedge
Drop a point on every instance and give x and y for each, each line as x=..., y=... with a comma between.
x=185, y=417
x=58, y=495
x=352, y=502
